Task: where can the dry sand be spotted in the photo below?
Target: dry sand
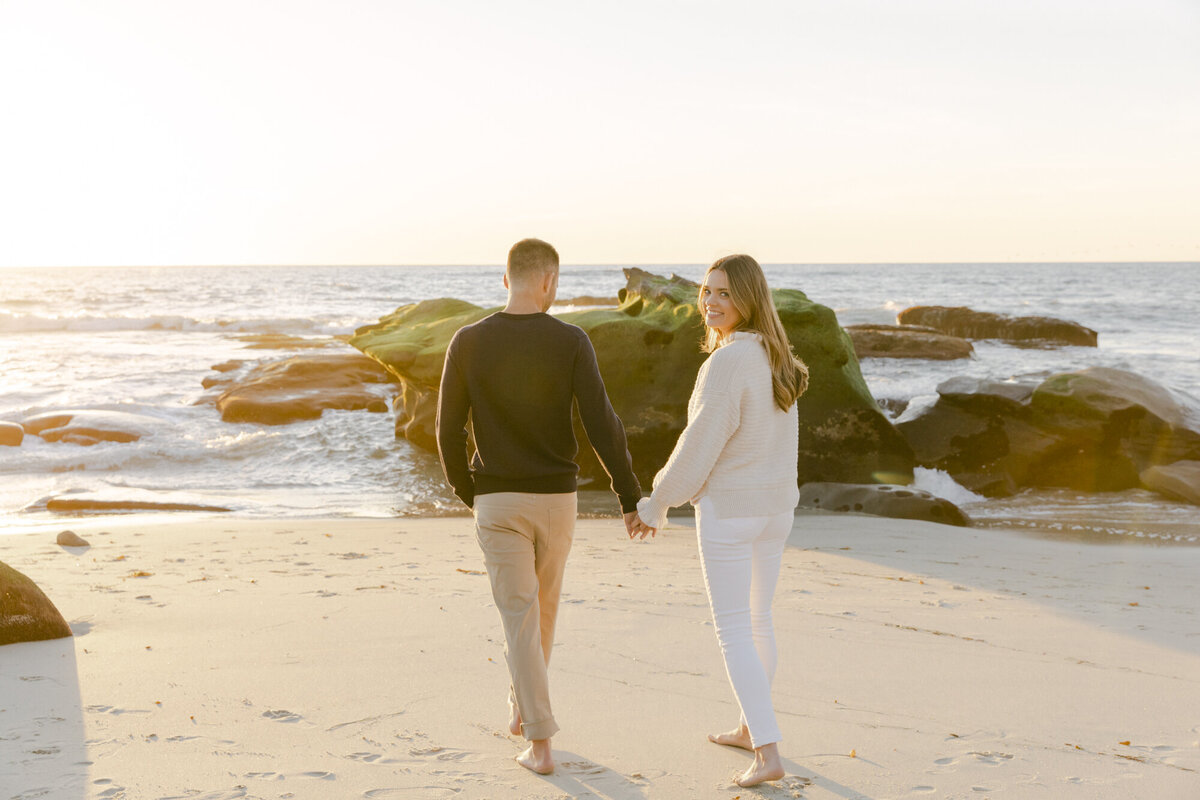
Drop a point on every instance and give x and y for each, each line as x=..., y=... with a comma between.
x=226, y=658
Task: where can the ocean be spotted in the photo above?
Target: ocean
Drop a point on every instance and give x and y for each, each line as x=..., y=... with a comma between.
x=143, y=339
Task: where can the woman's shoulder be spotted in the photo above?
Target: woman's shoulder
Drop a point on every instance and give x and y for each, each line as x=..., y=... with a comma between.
x=737, y=357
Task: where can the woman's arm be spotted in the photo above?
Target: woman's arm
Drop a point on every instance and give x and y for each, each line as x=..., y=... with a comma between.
x=716, y=415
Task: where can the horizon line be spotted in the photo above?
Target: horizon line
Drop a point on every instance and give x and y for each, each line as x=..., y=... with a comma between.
x=582, y=264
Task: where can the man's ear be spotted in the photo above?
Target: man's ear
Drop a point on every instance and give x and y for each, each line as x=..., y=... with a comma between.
x=506, y=280
x=547, y=281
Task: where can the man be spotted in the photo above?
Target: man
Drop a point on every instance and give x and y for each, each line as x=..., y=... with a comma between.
x=516, y=373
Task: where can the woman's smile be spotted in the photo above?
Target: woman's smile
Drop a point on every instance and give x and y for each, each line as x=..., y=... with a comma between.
x=719, y=310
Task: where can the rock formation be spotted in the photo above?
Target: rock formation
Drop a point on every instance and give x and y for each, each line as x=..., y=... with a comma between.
x=1098, y=429
x=648, y=350
x=970, y=324
x=91, y=426
x=881, y=500
x=303, y=387
x=26, y=614
x=906, y=341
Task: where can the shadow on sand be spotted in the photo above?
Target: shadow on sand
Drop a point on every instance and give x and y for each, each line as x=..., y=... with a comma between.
x=44, y=754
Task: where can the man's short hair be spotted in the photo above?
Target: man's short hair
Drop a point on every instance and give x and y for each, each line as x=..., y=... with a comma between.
x=530, y=258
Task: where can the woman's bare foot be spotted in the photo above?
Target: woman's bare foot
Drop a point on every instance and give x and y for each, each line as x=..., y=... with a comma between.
x=514, y=719
x=538, y=757
x=738, y=737
x=766, y=767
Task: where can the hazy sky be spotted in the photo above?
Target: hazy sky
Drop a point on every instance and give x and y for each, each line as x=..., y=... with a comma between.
x=358, y=132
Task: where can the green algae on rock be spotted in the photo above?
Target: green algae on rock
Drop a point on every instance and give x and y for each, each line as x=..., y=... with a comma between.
x=648, y=350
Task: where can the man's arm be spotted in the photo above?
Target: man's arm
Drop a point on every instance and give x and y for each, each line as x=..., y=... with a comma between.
x=603, y=427
x=454, y=403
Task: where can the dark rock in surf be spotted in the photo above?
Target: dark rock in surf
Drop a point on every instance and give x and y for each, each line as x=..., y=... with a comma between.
x=906, y=341
x=26, y=614
x=1097, y=429
x=971, y=324
x=897, y=502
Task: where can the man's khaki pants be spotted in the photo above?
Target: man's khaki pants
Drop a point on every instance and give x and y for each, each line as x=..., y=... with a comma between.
x=525, y=540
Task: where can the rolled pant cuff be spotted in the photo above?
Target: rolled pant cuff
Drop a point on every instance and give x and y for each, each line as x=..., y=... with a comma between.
x=534, y=731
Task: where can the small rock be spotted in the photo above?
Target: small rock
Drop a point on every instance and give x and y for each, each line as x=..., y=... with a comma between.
x=71, y=539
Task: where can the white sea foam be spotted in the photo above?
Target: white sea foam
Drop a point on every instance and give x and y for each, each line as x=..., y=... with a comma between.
x=33, y=323
x=941, y=484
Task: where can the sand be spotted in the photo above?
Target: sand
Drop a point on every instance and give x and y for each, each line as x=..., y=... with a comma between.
x=227, y=658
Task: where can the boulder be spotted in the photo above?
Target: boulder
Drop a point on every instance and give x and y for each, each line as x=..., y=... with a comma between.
x=906, y=341
x=897, y=502
x=648, y=350
x=11, y=434
x=303, y=387
x=971, y=324
x=26, y=614
x=1115, y=424
x=91, y=426
x=1180, y=481
x=1094, y=430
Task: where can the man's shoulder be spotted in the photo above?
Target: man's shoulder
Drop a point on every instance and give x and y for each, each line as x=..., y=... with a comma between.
x=544, y=326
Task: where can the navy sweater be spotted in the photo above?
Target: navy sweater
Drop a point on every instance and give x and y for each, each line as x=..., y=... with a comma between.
x=516, y=376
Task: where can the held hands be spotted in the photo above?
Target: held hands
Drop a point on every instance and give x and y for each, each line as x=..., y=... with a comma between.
x=635, y=526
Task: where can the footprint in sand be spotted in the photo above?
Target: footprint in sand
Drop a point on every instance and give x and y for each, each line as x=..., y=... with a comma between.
x=431, y=792
x=111, y=791
x=282, y=715
x=991, y=758
x=581, y=767
x=371, y=758
x=923, y=789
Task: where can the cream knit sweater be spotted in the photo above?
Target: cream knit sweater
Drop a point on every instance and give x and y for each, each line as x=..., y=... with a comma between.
x=738, y=448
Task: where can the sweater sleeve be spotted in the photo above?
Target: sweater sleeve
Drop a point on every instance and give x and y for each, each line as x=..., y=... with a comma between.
x=603, y=426
x=715, y=413
x=454, y=404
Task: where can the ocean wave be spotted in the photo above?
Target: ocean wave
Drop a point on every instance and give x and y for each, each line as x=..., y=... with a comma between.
x=33, y=323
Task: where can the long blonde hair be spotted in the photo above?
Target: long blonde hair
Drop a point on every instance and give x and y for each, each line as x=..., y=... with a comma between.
x=752, y=299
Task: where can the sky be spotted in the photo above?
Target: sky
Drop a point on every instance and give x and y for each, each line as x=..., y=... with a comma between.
x=808, y=131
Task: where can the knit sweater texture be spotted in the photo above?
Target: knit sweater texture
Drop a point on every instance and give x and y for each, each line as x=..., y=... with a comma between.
x=514, y=379
x=738, y=448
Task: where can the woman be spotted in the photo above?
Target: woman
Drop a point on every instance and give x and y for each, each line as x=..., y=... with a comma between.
x=736, y=463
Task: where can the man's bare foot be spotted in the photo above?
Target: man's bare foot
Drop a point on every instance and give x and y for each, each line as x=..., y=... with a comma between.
x=538, y=757
x=738, y=737
x=766, y=767
x=514, y=719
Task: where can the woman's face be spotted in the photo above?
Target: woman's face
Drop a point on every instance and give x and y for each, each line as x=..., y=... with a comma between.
x=717, y=302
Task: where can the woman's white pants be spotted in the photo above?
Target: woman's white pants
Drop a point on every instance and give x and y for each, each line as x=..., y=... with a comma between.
x=741, y=557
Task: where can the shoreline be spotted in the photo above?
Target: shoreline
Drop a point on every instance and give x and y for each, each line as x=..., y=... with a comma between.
x=363, y=658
